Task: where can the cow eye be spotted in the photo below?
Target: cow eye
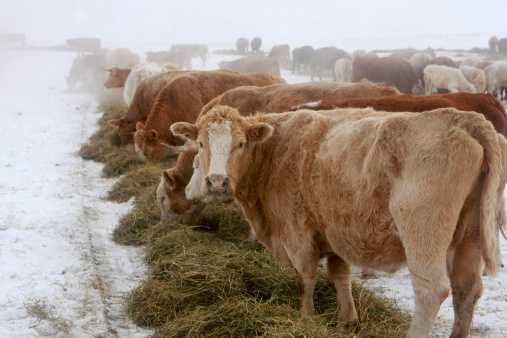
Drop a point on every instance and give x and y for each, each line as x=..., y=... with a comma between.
x=200, y=145
x=241, y=145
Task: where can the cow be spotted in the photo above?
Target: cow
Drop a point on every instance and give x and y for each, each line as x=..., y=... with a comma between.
x=87, y=73
x=496, y=77
x=373, y=189
x=301, y=59
x=389, y=70
x=242, y=45
x=181, y=100
x=444, y=61
x=252, y=64
x=120, y=57
x=475, y=76
x=484, y=104
x=323, y=61
x=444, y=77
x=249, y=100
x=255, y=45
x=419, y=61
x=281, y=53
x=138, y=110
x=343, y=70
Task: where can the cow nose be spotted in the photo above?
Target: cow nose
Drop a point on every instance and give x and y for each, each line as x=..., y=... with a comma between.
x=217, y=183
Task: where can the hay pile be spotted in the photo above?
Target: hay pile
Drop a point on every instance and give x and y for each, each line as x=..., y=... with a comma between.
x=218, y=284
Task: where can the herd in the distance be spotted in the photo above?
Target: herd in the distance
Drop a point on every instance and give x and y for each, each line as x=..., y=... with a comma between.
x=400, y=160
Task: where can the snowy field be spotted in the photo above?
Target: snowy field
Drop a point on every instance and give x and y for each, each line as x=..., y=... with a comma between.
x=62, y=276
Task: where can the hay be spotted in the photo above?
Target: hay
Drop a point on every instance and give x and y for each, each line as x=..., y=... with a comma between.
x=193, y=273
x=135, y=182
x=243, y=317
x=133, y=226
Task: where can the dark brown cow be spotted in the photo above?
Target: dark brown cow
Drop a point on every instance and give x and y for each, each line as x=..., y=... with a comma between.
x=389, y=70
x=481, y=103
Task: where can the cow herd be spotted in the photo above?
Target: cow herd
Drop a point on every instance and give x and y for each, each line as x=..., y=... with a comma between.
x=359, y=171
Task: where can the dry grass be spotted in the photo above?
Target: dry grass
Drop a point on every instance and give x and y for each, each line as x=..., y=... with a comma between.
x=134, y=182
x=217, y=284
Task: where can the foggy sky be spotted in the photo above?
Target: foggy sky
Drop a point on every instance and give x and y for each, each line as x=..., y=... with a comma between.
x=221, y=21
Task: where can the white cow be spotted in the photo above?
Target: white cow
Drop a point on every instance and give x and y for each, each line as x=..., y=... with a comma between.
x=496, y=77
x=139, y=73
x=443, y=77
x=475, y=76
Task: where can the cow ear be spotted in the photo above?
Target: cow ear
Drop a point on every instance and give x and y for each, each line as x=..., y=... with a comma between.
x=185, y=130
x=152, y=135
x=140, y=126
x=259, y=132
x=169, y=179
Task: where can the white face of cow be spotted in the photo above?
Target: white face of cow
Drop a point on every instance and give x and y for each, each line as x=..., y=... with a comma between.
x=219, y=143
x=197, y=189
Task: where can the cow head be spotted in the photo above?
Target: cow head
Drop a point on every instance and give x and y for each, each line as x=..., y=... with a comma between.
x=171, y=195
x=147, y=144
x=226, y=142
x=125, y=130
x=117, y=77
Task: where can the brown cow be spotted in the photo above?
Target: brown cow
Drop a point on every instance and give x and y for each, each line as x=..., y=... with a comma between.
x=181, y=100
x=141, y=104
x=368, y=188
x=484, y=104
x=389, y=70
x=248, y=100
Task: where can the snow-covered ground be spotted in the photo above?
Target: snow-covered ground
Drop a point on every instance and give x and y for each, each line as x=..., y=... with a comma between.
x=61, y=275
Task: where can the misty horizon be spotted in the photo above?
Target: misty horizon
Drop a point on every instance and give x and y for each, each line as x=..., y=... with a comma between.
x=364, y=25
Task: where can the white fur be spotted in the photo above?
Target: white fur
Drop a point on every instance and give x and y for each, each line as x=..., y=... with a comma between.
x=220, y=140
x=138, y=74
x=443, y=77
x=196, y=188
x=496, y=76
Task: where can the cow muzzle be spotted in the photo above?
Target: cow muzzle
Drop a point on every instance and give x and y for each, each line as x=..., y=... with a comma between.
x=218, y=184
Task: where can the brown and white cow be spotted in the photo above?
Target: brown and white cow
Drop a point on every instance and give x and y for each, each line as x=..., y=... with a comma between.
x=368, y=188
x=181, y=100
x=249, y=100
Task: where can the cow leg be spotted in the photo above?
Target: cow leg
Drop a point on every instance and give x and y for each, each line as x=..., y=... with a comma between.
x=340, y=274
x=306, y=262
x=466, y=285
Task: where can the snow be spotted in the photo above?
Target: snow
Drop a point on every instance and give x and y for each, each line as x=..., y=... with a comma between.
x=56, y=251
x=62, y=276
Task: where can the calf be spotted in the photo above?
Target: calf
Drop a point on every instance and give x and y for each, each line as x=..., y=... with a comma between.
x=374, y=189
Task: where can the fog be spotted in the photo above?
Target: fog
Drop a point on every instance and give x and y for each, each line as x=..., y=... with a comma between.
x=348, y=24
